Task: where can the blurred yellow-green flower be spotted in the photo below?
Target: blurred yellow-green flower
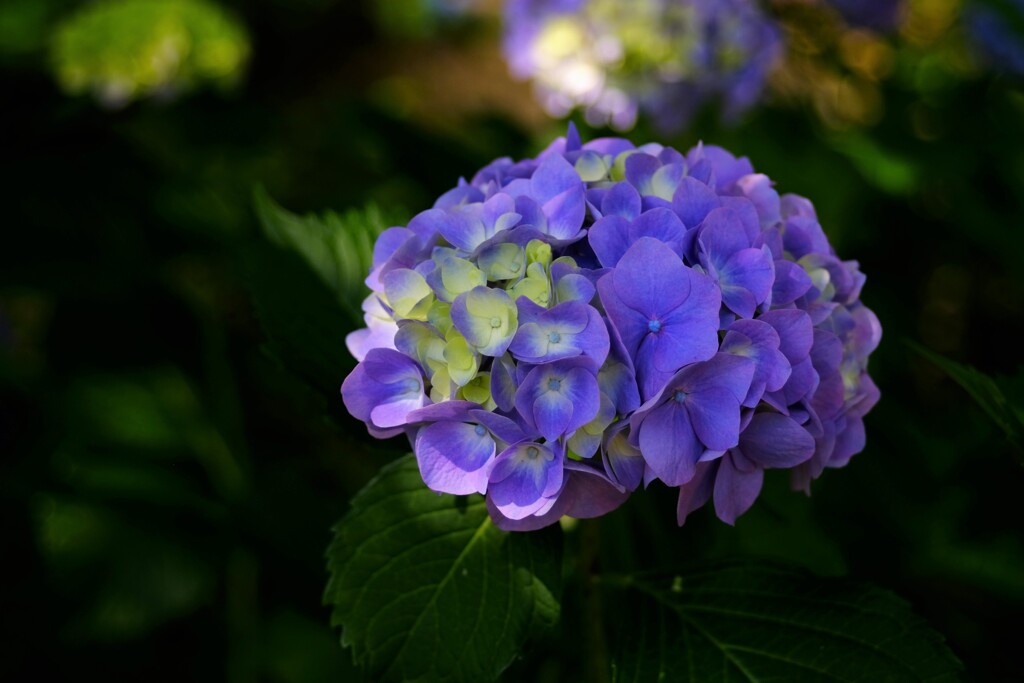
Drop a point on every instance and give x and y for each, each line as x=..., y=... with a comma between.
x=122, y=50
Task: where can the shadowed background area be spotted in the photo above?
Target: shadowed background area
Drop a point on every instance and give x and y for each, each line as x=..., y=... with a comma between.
x=174, y=449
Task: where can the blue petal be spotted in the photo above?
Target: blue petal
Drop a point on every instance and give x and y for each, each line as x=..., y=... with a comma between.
x=773, y=440
x=693, y=201
x=609, y=238
x=669, y=444
x=621, y=200
x=524, y=479
x=454, y=456
x=715, y=416
x=661, y=224
x=735, y=490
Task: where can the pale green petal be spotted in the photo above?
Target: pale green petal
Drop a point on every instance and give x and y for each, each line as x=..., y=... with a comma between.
x=619, y=167
x=441, y=387
x=491, y=320
x=440, y=316
x=661, y=186
x=463, y=361
x=535, y=286
x=459, y=275
x=478, y=390
x=503, y=262
x=538, y=251
x=408, y=294
x=429, y=347
x=591, y=167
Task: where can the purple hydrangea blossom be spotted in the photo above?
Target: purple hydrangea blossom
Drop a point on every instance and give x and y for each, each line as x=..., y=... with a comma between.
x=559, y=331
x=615, y=58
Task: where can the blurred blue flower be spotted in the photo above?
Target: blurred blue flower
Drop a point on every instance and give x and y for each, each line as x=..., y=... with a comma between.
x=998, y=34
x=666, y=58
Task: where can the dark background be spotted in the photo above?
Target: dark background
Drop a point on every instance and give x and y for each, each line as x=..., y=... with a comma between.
x=167, y=484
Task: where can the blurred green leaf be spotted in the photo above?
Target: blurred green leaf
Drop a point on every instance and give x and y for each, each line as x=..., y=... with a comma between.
x=884, y=169
x=304, y=324
x=745, y=622
x=125, y=49
x=122, y=580
x=425, y=587
x=987, y=392
x=338, y=249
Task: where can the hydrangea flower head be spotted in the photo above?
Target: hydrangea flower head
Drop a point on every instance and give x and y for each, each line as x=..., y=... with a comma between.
x=560, y=330
x=613, y=58
x=121, y=50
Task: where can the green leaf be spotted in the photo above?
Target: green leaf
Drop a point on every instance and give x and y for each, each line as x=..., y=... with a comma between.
x=304, y=325
x=338, y=249
x=745, y=622
x=987, y=392
x=425, y=587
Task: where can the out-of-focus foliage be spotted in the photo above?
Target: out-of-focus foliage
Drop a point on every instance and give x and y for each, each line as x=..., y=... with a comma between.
x=121, y=50
x=999, y=398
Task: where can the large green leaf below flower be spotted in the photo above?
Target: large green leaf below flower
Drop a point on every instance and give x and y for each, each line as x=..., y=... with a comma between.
x=746, y=622
x=426, y=588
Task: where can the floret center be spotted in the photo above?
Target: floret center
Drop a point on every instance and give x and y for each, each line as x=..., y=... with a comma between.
x=654, y=325
x=554, y=384
x=554, y=337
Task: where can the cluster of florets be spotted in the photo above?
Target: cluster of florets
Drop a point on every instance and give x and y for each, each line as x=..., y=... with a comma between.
x=666, y=57
x=562, y=329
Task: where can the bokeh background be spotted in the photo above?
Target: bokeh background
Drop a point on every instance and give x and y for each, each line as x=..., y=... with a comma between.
x=172, y=461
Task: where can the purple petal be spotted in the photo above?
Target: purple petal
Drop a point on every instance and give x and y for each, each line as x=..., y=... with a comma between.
x=640, y=168
x=669, y=444
x=758, y=189
x=625, y=462
x=751, y=269
x=383, y=389
x=575, y=287
x=552, y=413
x=621, y=200
x=589, y=493
x=791, y=283
x=560, y=397
x=454, y=457
x=387, y=243
x=849, y=442
x=796, y=333
x=609, y=238
x=758, y=341
x=651, y=278
x=503, y=382
x=721, y=235
x=538, y=520
x=661, y=224
x=715, y=416
x=722, y=371
x=773, y=440
x=735, y=490
x=694, y=493
x=523, y=478
x=693, y=201
x=446, y=411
